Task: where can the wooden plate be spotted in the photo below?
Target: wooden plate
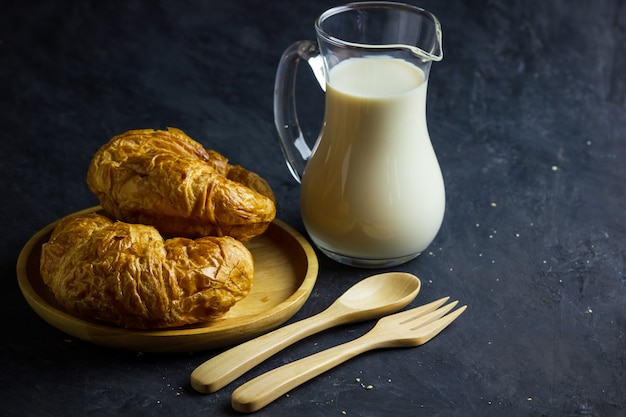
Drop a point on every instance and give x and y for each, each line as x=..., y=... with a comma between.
x=285, y=272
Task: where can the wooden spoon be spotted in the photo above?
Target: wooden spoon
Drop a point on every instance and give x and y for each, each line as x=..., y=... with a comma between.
x=370, y=298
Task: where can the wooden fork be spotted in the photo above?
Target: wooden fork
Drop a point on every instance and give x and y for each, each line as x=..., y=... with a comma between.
x=405, y=329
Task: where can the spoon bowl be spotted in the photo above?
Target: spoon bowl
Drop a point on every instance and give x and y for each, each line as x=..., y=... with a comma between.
x=370, y=298
x=380, y=291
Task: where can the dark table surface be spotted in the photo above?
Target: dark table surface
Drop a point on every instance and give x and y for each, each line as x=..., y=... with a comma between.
x=527, y=114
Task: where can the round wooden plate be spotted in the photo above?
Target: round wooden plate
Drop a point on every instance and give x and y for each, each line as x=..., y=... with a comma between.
x=285, y=267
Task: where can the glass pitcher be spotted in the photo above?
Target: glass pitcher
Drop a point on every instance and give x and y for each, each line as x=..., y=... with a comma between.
x=372, y=193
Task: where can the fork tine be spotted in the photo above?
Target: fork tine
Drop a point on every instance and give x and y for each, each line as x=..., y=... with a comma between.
x=422, y=320
x=427, y=332
x=419, y=311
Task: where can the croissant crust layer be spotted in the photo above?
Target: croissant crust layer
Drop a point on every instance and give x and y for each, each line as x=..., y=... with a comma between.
x=128, y=275
x=166, y=179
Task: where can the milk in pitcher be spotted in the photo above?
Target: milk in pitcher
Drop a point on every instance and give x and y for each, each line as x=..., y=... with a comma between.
x=373, y=188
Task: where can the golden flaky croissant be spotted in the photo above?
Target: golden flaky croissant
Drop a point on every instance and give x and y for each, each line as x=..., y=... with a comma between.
x=128, y=275
x=166, y=179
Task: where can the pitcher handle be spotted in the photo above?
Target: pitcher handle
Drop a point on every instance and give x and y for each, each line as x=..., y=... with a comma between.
x=294, y=145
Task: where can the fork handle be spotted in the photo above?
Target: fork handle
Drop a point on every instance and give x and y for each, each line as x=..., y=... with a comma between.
x=262, y=390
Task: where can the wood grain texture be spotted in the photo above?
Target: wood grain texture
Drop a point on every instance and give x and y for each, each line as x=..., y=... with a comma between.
x=285, y=272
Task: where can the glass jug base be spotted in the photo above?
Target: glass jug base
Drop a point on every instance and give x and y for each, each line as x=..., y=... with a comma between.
x=367, y=263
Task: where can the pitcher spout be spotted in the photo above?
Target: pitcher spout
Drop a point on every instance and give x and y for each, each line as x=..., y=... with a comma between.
x=429, y=44
x=424, y=42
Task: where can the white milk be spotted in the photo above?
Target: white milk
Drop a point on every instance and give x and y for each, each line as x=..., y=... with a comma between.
x=373, y=188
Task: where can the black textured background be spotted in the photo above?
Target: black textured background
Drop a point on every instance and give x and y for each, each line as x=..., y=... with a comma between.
x=527, y=113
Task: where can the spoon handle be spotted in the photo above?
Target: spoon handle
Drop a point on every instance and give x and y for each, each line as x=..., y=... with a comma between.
x=229, y=365
x=262, y=390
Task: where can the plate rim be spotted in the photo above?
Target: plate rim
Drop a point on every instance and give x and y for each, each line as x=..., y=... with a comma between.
x=293, y=302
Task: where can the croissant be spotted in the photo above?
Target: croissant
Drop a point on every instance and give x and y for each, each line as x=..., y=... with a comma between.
x=166, y=179
x=128, y=275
